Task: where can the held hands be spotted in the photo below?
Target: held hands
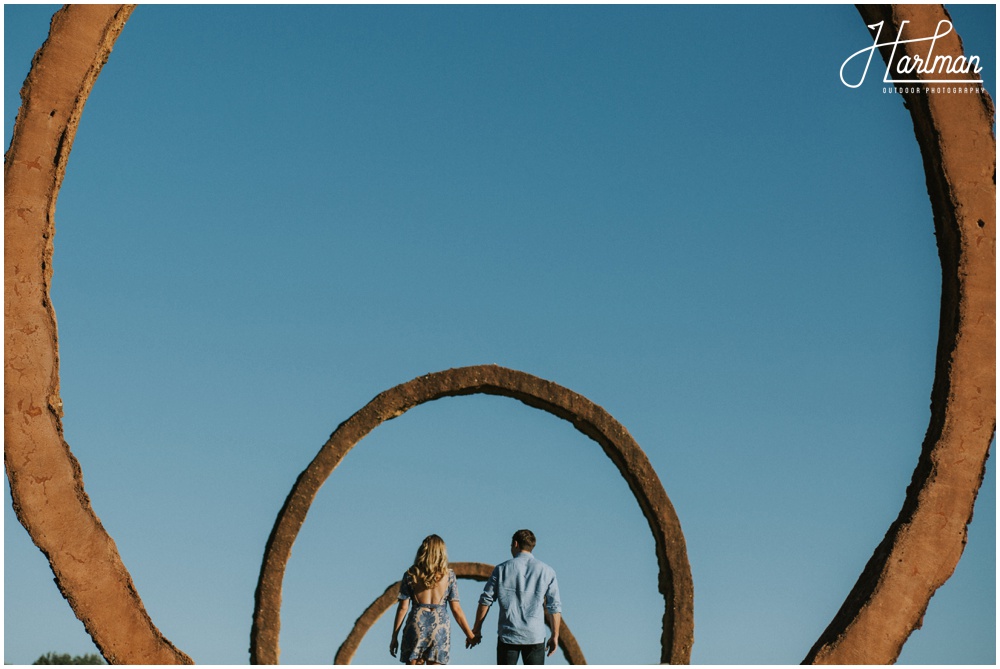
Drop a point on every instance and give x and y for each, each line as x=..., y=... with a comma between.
x=474, y=638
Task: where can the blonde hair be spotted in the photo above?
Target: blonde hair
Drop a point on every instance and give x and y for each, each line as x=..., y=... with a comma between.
x=431, y=562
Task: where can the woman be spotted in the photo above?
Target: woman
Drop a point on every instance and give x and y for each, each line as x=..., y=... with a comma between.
x=431, y=585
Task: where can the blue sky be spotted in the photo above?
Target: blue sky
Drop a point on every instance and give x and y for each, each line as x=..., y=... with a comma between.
x=272, y=214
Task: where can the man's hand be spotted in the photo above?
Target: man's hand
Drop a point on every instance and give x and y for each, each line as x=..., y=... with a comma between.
x=477, y=627
x=477, y=635
x=552, y=644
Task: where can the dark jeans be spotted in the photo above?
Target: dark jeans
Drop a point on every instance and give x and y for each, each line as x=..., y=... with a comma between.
x=533, y=653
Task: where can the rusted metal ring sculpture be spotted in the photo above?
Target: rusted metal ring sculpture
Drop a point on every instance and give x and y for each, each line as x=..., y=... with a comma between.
x=477, y=571
x=590, y=419
x=924, y=543
x=46, y=484
x=918, y=554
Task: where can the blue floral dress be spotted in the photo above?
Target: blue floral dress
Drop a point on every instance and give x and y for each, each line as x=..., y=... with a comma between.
x=427, y=632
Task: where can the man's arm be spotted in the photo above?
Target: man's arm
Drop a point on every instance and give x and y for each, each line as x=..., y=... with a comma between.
x=477, y=628
x=485, y=600
x=553, y=612
x=554, y=620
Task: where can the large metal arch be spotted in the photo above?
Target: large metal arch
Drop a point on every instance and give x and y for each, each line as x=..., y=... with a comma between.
x=959, y=152
x=46, y=483
x=476, y=571
x=671, y=553
x=923, y=545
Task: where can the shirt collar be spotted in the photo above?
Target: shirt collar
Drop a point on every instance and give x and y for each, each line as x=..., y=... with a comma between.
x=524, y=554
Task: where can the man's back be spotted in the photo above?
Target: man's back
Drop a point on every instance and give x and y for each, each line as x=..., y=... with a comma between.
x=526, y=588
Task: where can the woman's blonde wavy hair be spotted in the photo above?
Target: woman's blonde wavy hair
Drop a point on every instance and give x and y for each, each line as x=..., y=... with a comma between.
x=431, y=562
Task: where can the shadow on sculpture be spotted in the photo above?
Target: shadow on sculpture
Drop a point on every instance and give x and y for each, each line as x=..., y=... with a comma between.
x=920, y=549
x=477, y=571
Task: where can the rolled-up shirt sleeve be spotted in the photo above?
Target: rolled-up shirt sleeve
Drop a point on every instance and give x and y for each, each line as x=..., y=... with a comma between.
x=490, y=590
x=552, y=601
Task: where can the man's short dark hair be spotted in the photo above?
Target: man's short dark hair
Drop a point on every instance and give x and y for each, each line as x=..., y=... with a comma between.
x=525, y=539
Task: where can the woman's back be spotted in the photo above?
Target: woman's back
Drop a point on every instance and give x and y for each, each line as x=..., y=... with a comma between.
x=432, y=588
x=432, y=595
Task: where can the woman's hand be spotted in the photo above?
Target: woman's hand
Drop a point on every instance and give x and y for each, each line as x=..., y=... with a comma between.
x=393, y=646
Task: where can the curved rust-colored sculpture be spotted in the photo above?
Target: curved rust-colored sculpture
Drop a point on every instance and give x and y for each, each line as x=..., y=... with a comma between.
x=592, y=420
x=46, y=484
x=477, y=571
x=924, y=543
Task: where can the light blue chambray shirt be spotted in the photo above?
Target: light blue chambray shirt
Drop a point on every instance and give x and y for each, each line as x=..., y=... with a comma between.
x=523, y=585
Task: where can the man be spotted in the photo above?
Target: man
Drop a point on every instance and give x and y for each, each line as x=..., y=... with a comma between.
x=528, y=594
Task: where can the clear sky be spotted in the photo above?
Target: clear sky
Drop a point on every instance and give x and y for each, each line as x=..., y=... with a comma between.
x=272, y=214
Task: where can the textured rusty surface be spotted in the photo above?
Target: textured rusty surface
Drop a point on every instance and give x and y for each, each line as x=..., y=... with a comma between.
x=924, y=543
x=674, y=571
x=476, y=571
x=45, y=479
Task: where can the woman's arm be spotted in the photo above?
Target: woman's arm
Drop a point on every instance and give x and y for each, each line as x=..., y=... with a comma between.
x=404, y=604
x=456, y=609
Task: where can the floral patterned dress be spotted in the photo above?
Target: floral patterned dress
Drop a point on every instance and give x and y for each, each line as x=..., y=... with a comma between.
x=427, y=632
